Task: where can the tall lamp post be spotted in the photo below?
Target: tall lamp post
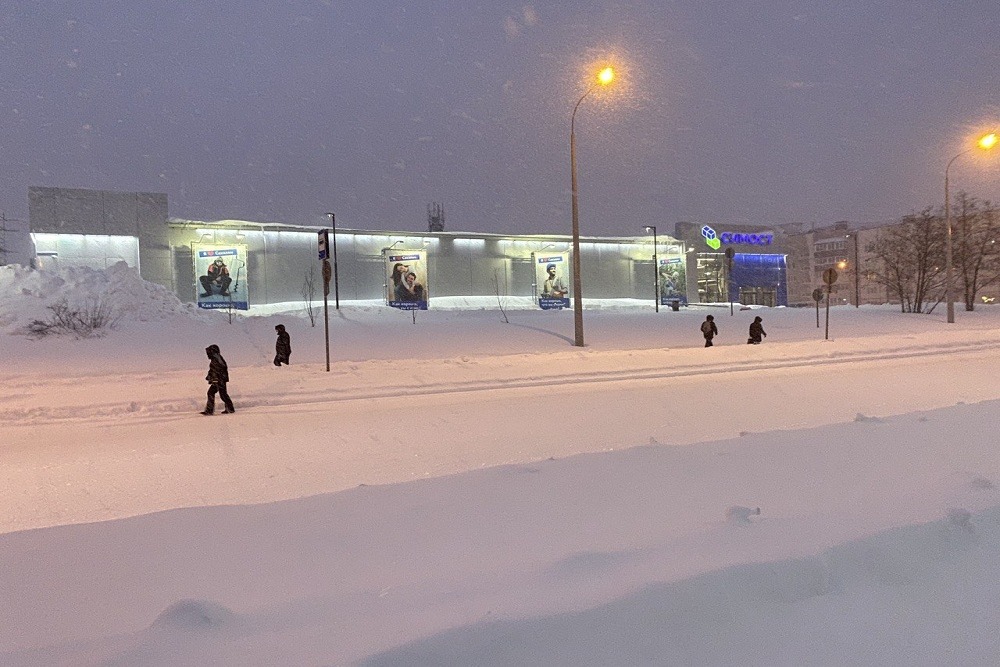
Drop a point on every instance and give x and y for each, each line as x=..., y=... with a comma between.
x=656, y=268
x=336, y=282
x=985, y=142
x=857, y=270
x=605, y=77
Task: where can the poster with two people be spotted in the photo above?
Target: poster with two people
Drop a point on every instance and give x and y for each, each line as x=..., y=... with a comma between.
x=406, y=284
x=552, y=278
x=221, y=276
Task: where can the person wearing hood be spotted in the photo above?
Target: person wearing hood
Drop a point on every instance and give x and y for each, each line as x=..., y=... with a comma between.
x=756, y=332
x=218, y=376
x=283, y=346
x=709, y=330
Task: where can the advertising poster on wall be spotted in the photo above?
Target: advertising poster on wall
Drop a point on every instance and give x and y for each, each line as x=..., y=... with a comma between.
x=552, y=278
x=221, y=276
x=673, y=280
x=406, y=286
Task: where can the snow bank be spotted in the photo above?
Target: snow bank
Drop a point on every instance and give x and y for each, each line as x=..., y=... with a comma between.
x=26, y=294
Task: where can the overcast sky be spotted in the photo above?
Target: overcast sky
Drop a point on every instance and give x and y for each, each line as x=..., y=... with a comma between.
x=759, y=112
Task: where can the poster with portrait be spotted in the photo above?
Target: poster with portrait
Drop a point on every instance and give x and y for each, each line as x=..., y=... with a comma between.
x=220, y=273
x=673, y=280
x=406, y=279
x=552, y=277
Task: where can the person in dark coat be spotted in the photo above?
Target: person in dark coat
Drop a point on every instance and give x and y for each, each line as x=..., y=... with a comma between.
x=756, y=332
x=218, y=376
x=709, y=330
x=283, y=346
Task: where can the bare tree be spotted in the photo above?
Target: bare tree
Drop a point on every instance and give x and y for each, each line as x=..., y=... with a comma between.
x=976, y=228
x=908, y=258
x=309, y=293
x=501, y=298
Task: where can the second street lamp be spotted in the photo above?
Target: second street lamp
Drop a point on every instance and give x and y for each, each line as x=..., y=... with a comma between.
x=656, y=269
x=605, y=77
x=985, y=142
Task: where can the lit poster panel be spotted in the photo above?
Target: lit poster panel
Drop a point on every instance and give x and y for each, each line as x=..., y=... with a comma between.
x=406, y=287
x=552, y=277
x=673, y=280
x=221, y=276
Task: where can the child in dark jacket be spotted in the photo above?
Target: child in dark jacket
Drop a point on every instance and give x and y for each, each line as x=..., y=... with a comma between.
x=756, y=332
x=709, y=330
x=283, y=346
x=218, y=376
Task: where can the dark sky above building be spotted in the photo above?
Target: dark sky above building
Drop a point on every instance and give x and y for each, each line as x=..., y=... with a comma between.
x=757, y=112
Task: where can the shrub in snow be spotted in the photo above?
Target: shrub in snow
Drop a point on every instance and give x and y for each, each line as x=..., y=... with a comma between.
x=90, y=319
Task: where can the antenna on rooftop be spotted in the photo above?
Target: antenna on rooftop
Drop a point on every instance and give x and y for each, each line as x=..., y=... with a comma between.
x=3, y=239
x=435, y=217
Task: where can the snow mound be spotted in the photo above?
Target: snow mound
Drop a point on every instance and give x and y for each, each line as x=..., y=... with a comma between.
x=26, y=294
x=194, y=615
x=741, y=515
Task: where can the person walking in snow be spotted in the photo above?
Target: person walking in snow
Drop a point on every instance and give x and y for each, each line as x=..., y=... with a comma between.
x=283, y=346
x=709, y=330
x=756, y=331
x=218, y=376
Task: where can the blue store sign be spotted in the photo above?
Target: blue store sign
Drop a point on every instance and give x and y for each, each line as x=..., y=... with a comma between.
x=736, y=238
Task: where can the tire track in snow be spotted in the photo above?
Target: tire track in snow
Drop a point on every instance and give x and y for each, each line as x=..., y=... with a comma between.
x=177, y=408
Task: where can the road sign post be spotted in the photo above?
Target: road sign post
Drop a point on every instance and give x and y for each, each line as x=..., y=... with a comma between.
x=817, y=297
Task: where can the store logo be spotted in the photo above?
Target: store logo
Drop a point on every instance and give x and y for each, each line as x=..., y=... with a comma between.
x=747, y=239
x=710, y=238
x=714, y=240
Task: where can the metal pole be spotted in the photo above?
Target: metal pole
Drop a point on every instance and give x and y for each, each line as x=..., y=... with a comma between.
x=949, y=297
x=857, y=273
x=336, y=281
x=577, y=283
x=326, y=309
x=826, y=335
x=326, y=329
x=947, y=259
x=656, y=273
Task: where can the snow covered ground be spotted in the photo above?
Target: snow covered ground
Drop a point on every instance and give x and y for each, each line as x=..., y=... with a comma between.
x=460, y=490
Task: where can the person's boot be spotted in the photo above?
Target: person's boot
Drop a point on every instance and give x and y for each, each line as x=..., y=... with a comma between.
x=206, y=411
x=229, y=411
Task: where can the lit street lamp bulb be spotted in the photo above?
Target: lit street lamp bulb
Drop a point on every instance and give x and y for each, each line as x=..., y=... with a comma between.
x=988, y=141
x=607, y=75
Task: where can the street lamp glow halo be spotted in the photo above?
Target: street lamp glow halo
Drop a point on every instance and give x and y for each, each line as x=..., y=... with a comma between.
x=606, y=76
x=988, y=141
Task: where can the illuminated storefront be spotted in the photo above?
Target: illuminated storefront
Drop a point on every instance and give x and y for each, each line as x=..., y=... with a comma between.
x=756, y=273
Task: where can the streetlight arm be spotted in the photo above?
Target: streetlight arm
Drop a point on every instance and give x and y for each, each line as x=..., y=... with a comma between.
x=953, y=159
x=572, y=120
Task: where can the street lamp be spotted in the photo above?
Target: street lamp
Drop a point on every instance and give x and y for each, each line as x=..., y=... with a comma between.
x=336, y=281
x=605, y=77
x=857, y=270
x=656, y=269
x=985, y=142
